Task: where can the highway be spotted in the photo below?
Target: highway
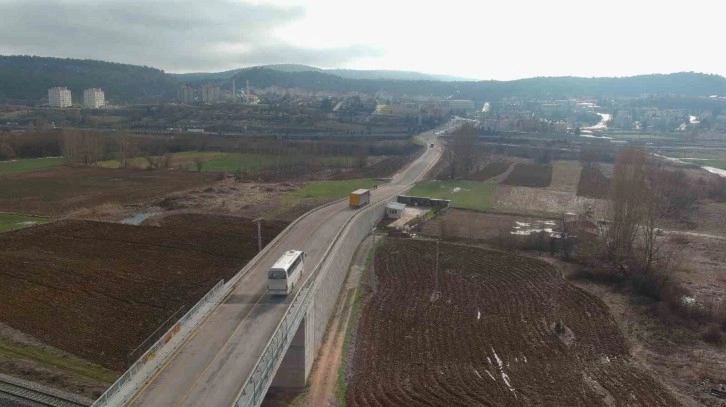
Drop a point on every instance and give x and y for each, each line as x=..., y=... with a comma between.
x=211, y=366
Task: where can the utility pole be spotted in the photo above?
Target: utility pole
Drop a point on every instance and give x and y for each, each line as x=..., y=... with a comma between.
x=373, y=260
x=436, y=294
x=259, y=233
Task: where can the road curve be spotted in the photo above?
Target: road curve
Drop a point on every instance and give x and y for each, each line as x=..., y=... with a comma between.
x=210, y=367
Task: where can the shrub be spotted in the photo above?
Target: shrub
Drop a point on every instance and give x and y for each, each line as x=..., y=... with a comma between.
x=713, y=335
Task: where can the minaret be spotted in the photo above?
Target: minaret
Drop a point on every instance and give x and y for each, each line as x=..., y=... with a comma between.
x=247, y=93
x=234, y=91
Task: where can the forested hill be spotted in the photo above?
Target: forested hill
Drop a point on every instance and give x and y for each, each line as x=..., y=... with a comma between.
x=685, y=84
x=26, y=80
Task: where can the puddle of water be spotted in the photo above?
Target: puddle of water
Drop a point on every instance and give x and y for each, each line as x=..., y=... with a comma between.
x=138, y=218
x=457, y=189
x=28, y=223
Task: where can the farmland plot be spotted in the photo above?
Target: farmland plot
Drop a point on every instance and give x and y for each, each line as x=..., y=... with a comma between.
x=530, y=175
x=538, y=200
x=98, y=289
x=494, y=329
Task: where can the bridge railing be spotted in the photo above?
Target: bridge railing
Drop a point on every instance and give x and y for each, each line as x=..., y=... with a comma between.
x=147, y=364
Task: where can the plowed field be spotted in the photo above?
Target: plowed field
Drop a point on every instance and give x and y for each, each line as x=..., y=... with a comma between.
x=98, y=290
x=504, y=331
x=530, y=175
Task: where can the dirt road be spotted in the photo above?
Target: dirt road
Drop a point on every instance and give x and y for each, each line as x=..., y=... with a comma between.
x=324, y=379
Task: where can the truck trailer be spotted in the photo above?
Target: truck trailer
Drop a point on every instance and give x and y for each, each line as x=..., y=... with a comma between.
x=359, y=198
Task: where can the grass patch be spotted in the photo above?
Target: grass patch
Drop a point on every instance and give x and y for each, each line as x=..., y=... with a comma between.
x=70, y=364
x=332, y=189
x=30, y=164
x=638, y=136
x=181, y=159
x=709, y=163
x=12, y=222
x=463, y=194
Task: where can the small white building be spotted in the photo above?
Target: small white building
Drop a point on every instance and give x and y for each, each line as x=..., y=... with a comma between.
x=59, y=97
x=94, y=98
x=394, y=210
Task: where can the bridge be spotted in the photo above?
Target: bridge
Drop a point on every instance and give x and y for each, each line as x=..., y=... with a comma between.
x=238, y=341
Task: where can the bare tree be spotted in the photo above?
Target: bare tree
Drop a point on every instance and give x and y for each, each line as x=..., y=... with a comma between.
x=124, y=147
x=82, y=148
x=461, y=150
x=361, y=155
x=628, y=191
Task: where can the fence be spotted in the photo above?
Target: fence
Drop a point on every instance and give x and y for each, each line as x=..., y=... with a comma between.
x=148, y=363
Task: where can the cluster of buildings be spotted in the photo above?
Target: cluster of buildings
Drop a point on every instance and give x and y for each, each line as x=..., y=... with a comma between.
x=93, y=98
x=210, y=93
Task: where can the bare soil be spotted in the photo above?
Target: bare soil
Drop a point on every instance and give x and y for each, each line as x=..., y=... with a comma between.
x=61, y=190
x=565, y=175
x=97, y=289
x=472, y=225
x=492, y=329
x=530, y=175
x=593, y=183
x=541, y=200
x=672, y=353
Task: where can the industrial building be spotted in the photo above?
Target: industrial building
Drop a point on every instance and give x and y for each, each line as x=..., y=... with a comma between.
x=59, y=97
x=94, y=98
x=210, y=93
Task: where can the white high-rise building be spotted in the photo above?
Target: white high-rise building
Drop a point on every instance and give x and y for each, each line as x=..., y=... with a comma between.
x=94, y=98
x=59, y=97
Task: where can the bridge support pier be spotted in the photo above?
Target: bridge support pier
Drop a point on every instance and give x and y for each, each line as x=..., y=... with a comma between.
x=298, y=360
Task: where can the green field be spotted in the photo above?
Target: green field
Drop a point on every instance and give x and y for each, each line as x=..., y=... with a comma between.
x=29, y=164
x=12, y=222
x=463, y=194
x=332, y=189
x=709, y=163
x=638, y=136
x=233, y=162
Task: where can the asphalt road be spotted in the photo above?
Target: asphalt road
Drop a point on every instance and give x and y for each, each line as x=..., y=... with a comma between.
x=210, y=367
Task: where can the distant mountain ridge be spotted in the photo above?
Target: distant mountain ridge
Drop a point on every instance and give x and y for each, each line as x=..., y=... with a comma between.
x=26, y=80
x=343, y=73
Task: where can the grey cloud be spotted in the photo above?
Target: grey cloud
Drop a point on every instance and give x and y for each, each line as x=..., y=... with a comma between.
x=179, y=35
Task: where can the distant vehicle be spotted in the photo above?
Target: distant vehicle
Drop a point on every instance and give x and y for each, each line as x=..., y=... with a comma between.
x=359, y=198
x=285, y=273
x=431, y=145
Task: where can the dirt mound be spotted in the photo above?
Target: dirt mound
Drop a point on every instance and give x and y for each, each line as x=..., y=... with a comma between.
x=493, y=329
x=530, y=175
x=98, y=289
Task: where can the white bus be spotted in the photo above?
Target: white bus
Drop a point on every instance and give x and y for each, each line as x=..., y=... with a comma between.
x=285, y=273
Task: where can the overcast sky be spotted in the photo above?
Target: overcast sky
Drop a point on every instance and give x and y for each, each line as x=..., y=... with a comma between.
x=476, y=39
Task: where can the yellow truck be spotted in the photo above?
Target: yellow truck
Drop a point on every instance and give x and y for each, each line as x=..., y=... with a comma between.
x=359, y=198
